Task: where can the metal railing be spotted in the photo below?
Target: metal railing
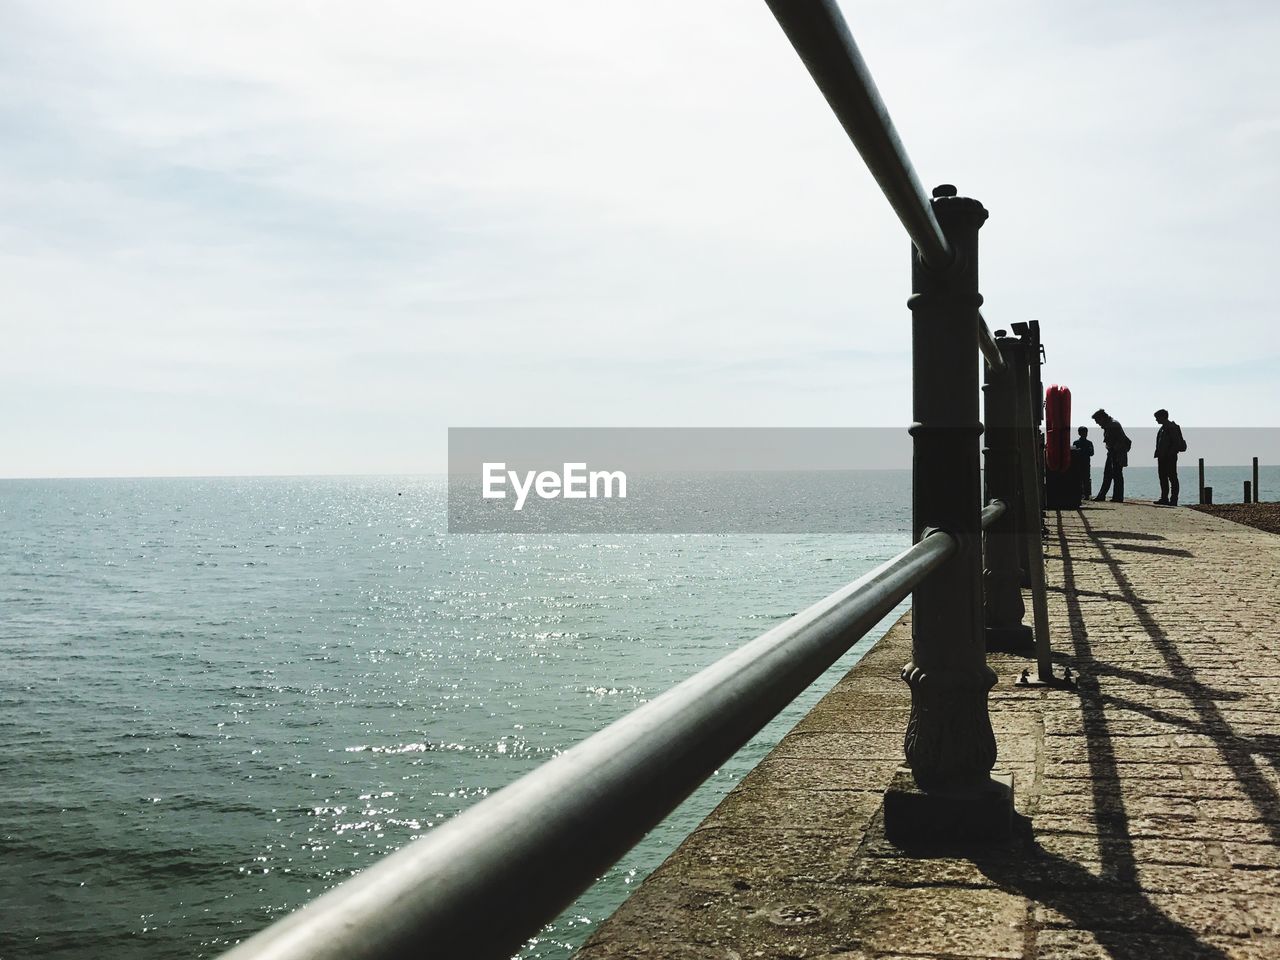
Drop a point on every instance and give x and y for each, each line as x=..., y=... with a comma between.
x=820, y=35
x=481, y=884
x=584, y=809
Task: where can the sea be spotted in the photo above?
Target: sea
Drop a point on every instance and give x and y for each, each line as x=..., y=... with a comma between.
x=221, y=697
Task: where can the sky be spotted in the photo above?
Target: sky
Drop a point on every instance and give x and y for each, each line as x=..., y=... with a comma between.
x=277, y=237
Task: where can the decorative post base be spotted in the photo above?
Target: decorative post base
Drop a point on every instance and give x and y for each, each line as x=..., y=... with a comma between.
x=980, y=812
x=949, y=737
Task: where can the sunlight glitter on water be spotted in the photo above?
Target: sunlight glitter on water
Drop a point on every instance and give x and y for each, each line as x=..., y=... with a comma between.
x=224, y=696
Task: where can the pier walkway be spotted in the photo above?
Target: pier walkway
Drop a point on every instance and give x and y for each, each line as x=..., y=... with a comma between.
x=1148, y=801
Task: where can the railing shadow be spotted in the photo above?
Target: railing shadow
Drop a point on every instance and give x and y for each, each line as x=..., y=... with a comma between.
x=1266, y=745
x=1161, y=551
x=1096, y=594
x=1237, y=752
x=1154, y=680
x=1069, y=889
x=1125, y=535
x=1109, y=905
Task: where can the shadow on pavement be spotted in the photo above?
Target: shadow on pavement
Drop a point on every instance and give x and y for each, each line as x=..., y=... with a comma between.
x=1237, y=752
x=1162, y=551
x=1111, y=904
x=1125, y=535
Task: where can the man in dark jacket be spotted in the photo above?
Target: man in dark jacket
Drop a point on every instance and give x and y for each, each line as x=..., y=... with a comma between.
x=1117, y=444
x=1169, y=444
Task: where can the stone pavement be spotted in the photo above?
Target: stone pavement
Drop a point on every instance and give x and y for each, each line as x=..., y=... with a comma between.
x=1148, y=801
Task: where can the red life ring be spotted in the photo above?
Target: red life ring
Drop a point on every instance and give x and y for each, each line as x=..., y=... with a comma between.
x=1057, y=428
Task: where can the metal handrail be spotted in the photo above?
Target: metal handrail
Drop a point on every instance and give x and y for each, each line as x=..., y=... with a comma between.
x=484, y=882
x=987, y=344
x=818, y=31
x=487, y=880
x=820, y=35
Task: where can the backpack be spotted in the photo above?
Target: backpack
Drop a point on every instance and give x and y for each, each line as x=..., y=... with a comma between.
x=1182, y=442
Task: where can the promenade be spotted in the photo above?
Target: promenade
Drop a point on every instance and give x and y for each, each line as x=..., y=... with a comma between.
x=1148, y=801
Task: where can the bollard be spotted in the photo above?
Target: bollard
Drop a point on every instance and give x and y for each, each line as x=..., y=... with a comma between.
x=1248, y=492
x=947, y=788
x=1255, y=480
x=1208, y=495
x=1202, y=500
x=1002, y=574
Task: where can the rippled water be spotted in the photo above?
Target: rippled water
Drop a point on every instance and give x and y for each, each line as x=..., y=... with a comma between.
x=221, y=697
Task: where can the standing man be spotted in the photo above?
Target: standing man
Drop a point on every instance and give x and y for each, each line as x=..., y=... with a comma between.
x=1117, y=444
x=1169, y=443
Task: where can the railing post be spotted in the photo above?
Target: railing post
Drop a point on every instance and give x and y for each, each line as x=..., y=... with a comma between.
x=1035, y=357
x=1030, y=387
x=1255, y=480
x=947, y=788
x=1202, y=500
x=1030, y=450
x=1002, y=573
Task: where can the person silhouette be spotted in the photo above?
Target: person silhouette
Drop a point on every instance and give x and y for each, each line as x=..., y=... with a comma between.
x=1169, y=443
x=1117, y=444
x=1081, y=452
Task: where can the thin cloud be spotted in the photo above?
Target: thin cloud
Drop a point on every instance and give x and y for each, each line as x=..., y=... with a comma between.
x=307, y=228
